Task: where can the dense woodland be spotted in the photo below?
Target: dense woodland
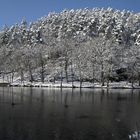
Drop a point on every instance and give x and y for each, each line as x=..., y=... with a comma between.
x=96, y=45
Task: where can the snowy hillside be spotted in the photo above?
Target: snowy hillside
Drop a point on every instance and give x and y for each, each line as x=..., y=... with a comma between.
x=85, y=45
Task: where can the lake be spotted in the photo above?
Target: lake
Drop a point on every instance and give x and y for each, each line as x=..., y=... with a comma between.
x=55, y=114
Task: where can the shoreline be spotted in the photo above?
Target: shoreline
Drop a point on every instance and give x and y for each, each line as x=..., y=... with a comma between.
x=114, y=85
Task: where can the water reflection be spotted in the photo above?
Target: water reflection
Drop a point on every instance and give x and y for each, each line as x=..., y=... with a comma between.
x=68, y=114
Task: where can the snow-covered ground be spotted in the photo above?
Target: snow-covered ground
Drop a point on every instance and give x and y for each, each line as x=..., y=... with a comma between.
x=76, y=84
x=124, y=85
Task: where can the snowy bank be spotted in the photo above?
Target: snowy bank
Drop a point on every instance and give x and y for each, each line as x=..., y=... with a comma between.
x=114, y=85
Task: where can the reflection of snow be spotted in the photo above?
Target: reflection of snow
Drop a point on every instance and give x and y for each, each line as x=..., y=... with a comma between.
x=135, y=136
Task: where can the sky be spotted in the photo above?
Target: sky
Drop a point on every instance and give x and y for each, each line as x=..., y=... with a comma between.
x=13, y=11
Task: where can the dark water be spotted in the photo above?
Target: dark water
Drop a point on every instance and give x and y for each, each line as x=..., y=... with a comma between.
x=52, y=114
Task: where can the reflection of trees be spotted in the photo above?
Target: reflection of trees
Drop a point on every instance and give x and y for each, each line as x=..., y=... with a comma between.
x=3, y=93
x=66, y=100
x=93, y=97
x=12, y=97
x=72, y=94
x=30, y=95
x=81, y=94
x=101, y=109
x=102, y=95
x=42, y=96
x=41, y=103
x=40, y=116
x=61, y=92
x=22, y=95
x=54, y=96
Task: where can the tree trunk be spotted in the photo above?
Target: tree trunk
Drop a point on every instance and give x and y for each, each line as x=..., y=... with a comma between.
x=139, y=78
x=42, y=71
x=72, y=75
x=66, y=68
x=132, y=79
x=102, y=76
x=12, y=78
x=108, y=77
x=81, y=81
x=32, y=79
x=22, y=75
x=93, y=80
x=61, y=79
x=42, y=75
x=31, y=75
x=93, y=74
x=107, y=82
x=3, y=77
x=54, y=79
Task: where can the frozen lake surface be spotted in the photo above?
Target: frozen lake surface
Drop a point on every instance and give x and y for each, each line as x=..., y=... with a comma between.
x=55, y=114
